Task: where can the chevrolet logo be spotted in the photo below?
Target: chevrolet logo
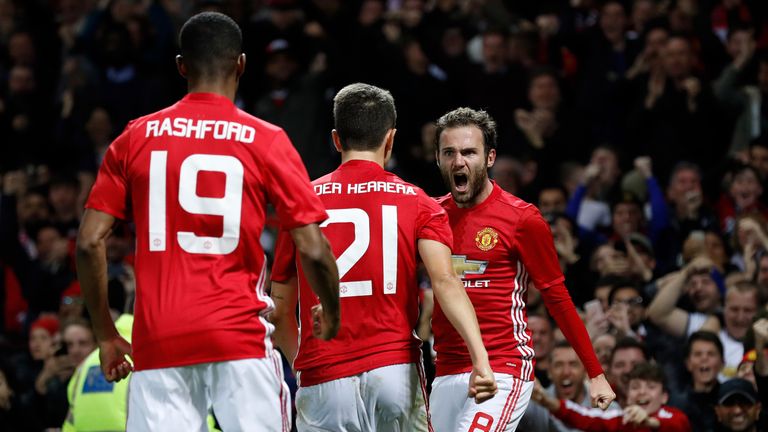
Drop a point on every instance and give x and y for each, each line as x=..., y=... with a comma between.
x=462, y=266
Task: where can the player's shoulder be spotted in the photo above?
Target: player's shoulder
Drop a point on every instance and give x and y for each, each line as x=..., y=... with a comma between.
x=266, y=128
x=444, y=200
x=324, y=179
x=514, y=202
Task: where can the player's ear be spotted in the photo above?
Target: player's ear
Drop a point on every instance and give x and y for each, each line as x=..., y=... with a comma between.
x=389, y=142
x=491, y=157
x=240, y=65
x=180, y=66
x=336, y=140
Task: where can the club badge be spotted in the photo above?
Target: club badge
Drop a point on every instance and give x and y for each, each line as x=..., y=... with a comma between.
x=486, y=239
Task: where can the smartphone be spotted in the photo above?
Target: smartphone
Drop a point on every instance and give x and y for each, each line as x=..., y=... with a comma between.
x=595, y=309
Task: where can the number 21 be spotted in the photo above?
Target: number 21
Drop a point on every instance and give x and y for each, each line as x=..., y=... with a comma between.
x=355, y=251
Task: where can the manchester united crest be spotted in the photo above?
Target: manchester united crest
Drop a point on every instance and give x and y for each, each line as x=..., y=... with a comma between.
x=486, y=239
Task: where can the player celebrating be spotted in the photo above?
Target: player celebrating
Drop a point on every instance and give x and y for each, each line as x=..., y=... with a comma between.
x=500, y=244
x=370, y=378
x=195, y=178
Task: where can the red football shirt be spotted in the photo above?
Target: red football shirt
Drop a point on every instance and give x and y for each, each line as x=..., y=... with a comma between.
x=594, y=419
x=375, y=220
x=196, y=178
x=499, y=246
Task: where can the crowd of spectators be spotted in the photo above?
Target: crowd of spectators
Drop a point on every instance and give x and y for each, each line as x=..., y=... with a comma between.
x=639, y=128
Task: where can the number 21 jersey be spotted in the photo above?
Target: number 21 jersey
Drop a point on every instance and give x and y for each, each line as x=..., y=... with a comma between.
x=195, y=178
x=375, y=221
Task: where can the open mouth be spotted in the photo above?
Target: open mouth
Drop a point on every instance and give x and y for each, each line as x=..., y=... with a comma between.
x=460, y=180
x=643, y=402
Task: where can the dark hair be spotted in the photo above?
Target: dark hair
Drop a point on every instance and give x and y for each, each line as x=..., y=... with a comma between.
x=761, y=141
x=628, y=343
x=621, y=284
x=543, y=71
x=648, y=372
x=562, y=344
x=468, y=117
x=210, y=43
x=704, y=336
x=741, y=27
x=362, y=115
x=684, y=166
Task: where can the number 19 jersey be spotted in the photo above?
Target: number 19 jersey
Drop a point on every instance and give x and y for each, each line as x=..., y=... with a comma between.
x=375, y=221
x=195, y=178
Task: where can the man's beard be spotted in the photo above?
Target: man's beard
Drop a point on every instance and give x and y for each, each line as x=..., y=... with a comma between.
x=475, y=184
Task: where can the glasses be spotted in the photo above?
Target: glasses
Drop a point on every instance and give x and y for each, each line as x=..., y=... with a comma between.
x=634, y=301
x=67, y=300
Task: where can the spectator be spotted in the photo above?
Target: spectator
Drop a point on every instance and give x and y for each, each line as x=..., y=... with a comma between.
x=588, y=204
x=742, y=197
x=646, y=407
x=543, y=343
x=730, y=90
x=704, y=361
x=675, y=114
x=627, y=353
x=738, y=406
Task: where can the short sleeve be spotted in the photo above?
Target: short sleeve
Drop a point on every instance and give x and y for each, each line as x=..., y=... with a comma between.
x=284, y=264
x=432, y=221
x=536, y=249
x=288, y=187
x=110, y=192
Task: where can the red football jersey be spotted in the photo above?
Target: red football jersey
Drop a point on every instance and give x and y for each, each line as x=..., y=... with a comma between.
x=196, y=178
x=499, y=245
x=375, y=220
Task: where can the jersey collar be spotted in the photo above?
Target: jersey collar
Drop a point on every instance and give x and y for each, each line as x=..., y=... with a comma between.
x=491, y=198
x=207, y=98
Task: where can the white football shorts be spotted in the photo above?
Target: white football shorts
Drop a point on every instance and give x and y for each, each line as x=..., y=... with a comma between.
x=246, y=395
x=452, y=410
x=387, y=399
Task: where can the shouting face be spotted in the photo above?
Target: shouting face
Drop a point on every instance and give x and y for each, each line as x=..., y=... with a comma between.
x=464, y=164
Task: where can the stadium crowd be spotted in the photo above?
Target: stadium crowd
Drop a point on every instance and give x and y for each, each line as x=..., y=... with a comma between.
x=638, y=127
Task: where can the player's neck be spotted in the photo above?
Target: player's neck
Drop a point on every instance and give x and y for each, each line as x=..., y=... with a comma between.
x=376, y=157
x=223, y=88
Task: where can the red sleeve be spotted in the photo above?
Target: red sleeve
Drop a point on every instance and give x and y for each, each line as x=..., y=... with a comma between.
x=537, y=252
x=288, y=187
x=589, y=419
x=284, y=264
x=672, y=420
x=432, y=221
x=109, y=193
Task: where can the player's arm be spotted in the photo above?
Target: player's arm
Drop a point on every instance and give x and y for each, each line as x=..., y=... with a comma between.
x=540, y=259
x=92, y=273
x=286, y=335
x=453, y=299
x=320, y=269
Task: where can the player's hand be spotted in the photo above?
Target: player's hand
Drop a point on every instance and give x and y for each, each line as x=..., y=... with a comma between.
x=482, y=384
x=601, y=392
x=112, y=354
x=324, y=325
